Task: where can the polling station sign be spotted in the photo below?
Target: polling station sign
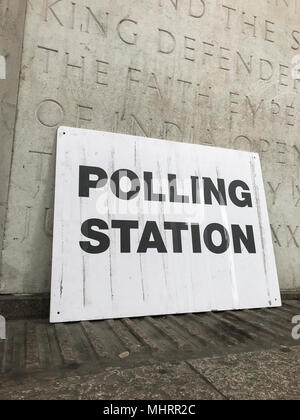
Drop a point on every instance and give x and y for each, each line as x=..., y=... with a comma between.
x=150, y=227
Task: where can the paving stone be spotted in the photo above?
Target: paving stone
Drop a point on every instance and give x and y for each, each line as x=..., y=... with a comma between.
x=258, y=375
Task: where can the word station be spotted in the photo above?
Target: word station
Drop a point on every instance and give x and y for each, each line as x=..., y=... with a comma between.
x=216, y=237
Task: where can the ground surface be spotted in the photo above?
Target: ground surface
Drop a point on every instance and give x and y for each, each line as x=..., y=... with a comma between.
x=229, y=355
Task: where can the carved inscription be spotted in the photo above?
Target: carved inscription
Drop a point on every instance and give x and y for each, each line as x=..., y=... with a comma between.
x=219, y=73
x=286, y=236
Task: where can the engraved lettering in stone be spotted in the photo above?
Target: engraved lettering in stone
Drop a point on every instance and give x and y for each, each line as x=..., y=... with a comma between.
x=116, y=122
x=266, y=70
x=297, y=78
x=134, y=125
x=73, y=15
x=131, y=37
x=229, y=11
x=283, y=74
x=169, y=85
x=137, y=128
x=296, y=69
x=166, y=42
x=296, y=152
x=275, y=107
x=197, y=8
x=264, y=146
x=40, y=152
x=173, y=2
x=293, y=240
x=223, y=59
x=101, y=78
x=171, y=130
x=132, y=76
x=103, y=27
x=48, y=52
x=189, y=49
x=298, y=201
x=152, y=83
x=285, y=2
x=296, y=193
x=242, y=143
x=200, y=95
x=248, y=65
x=69, y=66
x=185, y=86
x=281, y=152
x=254, y=109
x=268, y=31
x=296, y=39
x=234, y=105
x=40, y=156
x=290, y=114
x=206, y=51
x=49, y=8
x=249, y=24
x=274, y=191
x=84, y=114
x=50, y=113
x=289, y=4
x=275, y=232
x=208, y=139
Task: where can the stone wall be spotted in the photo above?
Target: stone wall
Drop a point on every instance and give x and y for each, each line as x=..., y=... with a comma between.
x=12, y=16
x=216, y=72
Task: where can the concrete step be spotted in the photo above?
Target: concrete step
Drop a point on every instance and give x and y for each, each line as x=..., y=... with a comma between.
x=37, y=347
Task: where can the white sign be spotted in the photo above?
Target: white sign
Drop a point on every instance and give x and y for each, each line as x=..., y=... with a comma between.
x=149, y=227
